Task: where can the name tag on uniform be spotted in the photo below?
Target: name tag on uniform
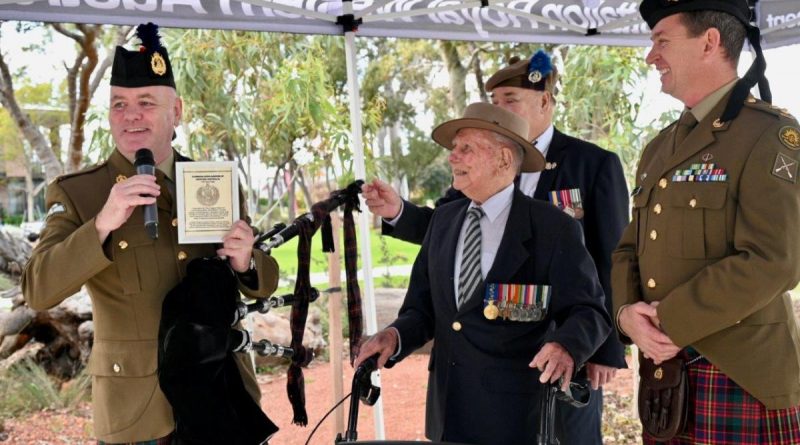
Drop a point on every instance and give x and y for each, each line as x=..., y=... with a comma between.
x=701, y=173
x=568, y=200
x=516, y=302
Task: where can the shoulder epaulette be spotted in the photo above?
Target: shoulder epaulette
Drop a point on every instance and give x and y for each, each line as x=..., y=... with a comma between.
x=766, y=107
x=85, y=171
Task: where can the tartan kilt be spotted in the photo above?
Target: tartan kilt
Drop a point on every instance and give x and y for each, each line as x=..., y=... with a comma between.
x=723, y=413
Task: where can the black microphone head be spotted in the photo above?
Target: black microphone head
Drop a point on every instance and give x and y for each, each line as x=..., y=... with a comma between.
x=144, y=157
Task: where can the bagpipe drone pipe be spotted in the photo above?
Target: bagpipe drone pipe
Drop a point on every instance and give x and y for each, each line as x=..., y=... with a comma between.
x=201, y=342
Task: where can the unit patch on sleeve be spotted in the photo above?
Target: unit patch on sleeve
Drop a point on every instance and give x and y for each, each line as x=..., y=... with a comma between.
x=55, y=209
x=790, y=137
x=785, y=168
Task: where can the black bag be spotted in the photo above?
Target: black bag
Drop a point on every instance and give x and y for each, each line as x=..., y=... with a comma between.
x=663, y=397
x=197, y=369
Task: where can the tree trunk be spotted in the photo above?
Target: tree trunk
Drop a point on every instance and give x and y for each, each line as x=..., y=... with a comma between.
x=32, y=134
x=458, y=76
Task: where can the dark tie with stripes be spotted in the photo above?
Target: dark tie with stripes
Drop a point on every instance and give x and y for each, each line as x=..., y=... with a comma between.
x=470, y=274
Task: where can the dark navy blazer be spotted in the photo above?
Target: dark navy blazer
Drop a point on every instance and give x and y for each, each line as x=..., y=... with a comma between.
x=481, y=389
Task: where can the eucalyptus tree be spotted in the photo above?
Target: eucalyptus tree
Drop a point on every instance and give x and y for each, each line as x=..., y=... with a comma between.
x=281, y=95
x=93, y=46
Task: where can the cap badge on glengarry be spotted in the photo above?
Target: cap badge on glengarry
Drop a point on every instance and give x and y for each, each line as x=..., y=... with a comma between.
x=157, y=64
x=539, y=66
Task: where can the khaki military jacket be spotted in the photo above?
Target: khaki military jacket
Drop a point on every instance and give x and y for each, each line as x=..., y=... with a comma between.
x=127, y=277
x=720, y=255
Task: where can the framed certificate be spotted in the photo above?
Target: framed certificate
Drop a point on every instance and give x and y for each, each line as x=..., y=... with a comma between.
x=208, y=200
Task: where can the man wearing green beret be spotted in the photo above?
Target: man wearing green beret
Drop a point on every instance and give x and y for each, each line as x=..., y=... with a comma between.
x=702, y=273
x=94, y=236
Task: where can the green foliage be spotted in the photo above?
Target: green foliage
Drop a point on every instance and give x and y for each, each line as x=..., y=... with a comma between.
x=599, y=100
x=12, y=220
x=26, y=387
x=5, y=282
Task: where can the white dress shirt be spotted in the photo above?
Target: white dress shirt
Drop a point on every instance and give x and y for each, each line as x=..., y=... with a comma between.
x=493, y=225
x=529, y=181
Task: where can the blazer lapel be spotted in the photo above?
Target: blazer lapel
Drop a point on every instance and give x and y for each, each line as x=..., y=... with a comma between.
x=555, y=156
x=511, y=254
x=445, y=257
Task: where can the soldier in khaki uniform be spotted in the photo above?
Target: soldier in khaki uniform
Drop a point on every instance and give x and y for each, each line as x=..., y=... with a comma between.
x=704, y=268
x=95, y=236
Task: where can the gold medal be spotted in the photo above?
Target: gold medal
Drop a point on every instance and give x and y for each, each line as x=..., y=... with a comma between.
x=490, y=311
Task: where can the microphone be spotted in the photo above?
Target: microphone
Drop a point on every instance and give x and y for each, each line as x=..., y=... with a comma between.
x=145, y=165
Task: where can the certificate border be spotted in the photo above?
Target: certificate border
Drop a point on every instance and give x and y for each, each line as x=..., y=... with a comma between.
x=190, y=166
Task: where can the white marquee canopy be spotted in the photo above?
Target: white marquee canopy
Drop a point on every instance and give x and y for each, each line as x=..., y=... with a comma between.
x=589, y=22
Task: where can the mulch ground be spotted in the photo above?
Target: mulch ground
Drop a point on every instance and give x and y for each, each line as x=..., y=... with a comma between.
x=403, y=396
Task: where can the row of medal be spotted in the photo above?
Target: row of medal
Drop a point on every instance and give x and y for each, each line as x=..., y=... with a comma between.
x=516, y=302
x=568, y=200
x=701, y=173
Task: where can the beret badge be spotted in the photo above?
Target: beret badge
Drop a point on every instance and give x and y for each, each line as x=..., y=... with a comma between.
x=157, y=64
x=539, y=67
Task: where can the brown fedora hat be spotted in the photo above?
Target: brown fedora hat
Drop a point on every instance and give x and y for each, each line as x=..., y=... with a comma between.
x=485, y=116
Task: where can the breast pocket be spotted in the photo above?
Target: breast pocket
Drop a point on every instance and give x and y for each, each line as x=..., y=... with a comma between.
x=135, y=257
x=696, y=226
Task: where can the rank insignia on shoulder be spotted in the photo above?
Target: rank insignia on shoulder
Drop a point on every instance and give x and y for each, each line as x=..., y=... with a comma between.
x=516, y=302
x=55, y=209
x=785, y=168
x=706, y=172
x=568, y=200
x=790, y=137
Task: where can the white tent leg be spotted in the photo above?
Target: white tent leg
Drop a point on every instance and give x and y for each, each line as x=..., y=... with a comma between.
x=364, y=222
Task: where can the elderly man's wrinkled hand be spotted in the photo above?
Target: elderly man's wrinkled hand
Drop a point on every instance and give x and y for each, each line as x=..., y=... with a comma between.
x=555, y=363
x=384, y=343
x=382, y=199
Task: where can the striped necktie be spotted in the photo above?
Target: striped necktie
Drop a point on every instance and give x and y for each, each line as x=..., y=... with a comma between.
x=470, y=274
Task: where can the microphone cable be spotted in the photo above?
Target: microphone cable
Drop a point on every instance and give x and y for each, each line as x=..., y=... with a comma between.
x=325, y=417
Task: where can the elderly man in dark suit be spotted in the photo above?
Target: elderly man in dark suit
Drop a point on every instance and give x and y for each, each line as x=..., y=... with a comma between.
x=504, y=285
x=579, y=177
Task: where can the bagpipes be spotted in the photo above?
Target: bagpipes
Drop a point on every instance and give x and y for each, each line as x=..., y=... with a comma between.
x=200, y=338
x=304, y=227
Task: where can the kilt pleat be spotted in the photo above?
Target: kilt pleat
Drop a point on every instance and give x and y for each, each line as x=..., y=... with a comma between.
x=723, y=413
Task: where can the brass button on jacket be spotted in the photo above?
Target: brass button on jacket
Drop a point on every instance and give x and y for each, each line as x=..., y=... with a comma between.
x=174, y=222
x=123, y=244
x=651, y=283
x=182, y=255
x=653, y=235
x=662, y=183
x=456, y=326
x=657, y=209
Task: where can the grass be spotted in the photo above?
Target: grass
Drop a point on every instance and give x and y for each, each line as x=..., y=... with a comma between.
x=5, y=283
x=26, y=388
x=385, y=251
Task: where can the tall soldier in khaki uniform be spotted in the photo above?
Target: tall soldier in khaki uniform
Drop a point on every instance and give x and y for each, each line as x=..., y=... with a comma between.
x=704, y=268
x=95, y=236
